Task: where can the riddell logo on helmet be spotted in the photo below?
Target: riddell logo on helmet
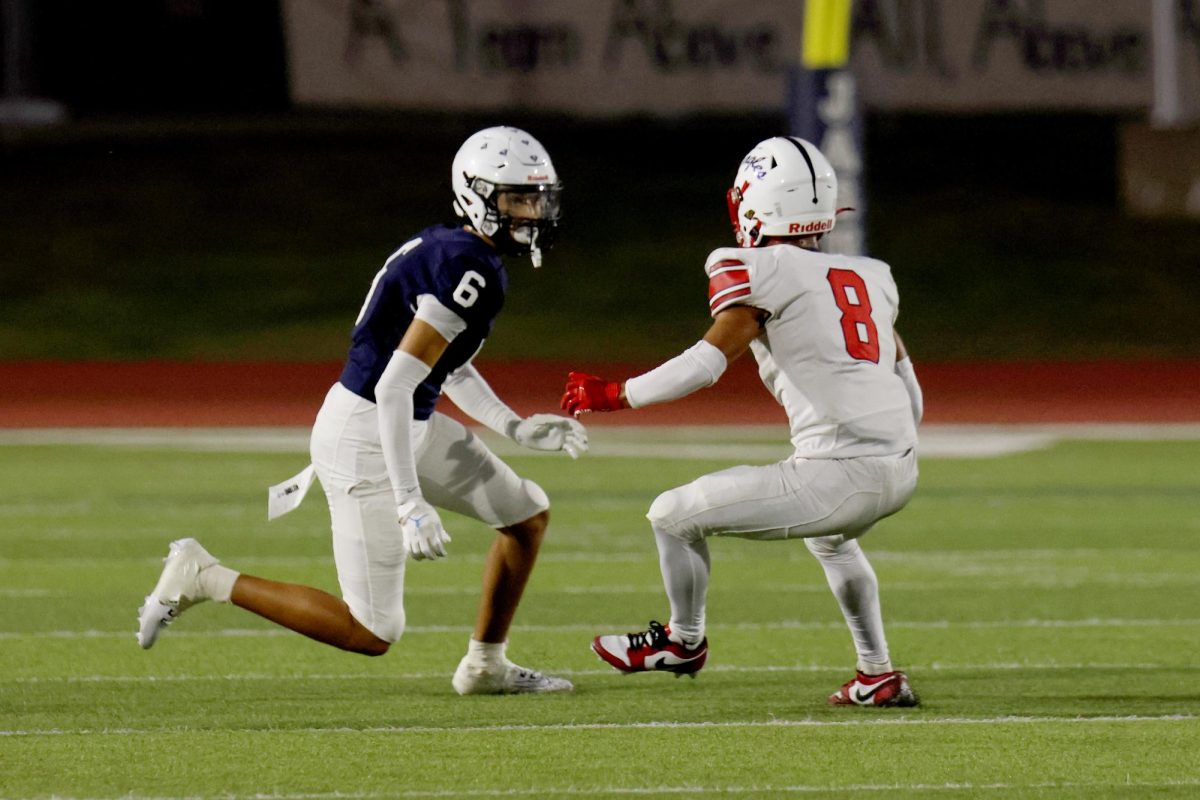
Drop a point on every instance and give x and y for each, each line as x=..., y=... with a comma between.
x=538, y=177
x=819, y=226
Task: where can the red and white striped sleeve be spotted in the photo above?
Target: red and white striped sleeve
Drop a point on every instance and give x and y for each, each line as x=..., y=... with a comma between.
x=728, y=282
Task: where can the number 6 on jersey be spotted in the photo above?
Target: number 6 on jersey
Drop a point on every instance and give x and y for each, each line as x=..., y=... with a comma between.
x=467, y=292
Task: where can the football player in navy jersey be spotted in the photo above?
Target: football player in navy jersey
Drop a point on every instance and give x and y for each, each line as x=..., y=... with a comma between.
x=386, y=458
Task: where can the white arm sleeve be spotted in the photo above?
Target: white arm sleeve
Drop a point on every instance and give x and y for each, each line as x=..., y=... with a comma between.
x=394, y=397
x=695, y=368
x=904, y=368
x=472, y=393
x=431, y=311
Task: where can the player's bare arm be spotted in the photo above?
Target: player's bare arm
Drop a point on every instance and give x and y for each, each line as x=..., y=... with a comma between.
x=734, y=329
x=423, y=342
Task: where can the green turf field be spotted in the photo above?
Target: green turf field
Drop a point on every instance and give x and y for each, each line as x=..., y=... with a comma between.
x=1046, y=606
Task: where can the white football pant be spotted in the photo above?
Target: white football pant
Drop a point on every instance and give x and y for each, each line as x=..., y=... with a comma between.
x=827, y=502
x=457, y=473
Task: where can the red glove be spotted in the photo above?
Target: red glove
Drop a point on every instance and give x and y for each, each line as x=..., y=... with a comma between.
x=590, y=393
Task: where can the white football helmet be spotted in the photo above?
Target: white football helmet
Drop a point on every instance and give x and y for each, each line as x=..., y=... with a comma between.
x=506, y=188
x=784, y=187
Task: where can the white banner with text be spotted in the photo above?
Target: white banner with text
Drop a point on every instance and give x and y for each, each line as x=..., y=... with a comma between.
x=670, y=57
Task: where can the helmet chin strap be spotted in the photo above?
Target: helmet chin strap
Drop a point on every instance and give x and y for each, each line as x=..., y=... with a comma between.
x=535, y=252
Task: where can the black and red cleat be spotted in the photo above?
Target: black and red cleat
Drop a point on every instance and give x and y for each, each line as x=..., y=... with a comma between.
x=649, y=651
x=889, y=690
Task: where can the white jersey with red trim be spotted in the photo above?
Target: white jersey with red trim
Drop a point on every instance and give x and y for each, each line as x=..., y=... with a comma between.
x=828, y=351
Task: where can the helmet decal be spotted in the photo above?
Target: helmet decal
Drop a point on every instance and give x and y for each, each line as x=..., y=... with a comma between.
x=807, y=160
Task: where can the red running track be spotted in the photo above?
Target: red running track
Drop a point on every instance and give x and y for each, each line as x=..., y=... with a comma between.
x=158, y=393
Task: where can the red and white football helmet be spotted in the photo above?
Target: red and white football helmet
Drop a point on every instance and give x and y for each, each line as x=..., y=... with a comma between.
x=505, y=187
x=784, y=187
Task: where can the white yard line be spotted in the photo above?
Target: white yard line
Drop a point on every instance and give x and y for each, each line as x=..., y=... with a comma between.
x=860, y=722
x=1004, y=666
x=728, y=443
x=944, y=624
x=21, y=594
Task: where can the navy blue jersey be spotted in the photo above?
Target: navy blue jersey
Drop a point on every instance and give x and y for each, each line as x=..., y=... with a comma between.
x=458, y=268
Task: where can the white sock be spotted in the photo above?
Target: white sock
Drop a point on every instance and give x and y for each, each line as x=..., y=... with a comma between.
x=685, y=567
x=874, y=667
x=217, y=582
x=857, y=591
x=485, y=654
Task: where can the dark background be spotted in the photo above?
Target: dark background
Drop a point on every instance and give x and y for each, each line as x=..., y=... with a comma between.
x=187, y=210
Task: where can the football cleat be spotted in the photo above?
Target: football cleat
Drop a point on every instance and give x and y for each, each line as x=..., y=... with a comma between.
x=651, y=650
x=177, y=590
x=889, y=690
x=508, y=678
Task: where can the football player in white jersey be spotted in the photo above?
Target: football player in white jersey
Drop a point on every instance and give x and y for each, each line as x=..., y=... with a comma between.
x=386, y=457
x=821, y=327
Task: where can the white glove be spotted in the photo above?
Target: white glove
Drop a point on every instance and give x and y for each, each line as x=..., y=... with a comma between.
x=424, y=535
x=551, y=432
